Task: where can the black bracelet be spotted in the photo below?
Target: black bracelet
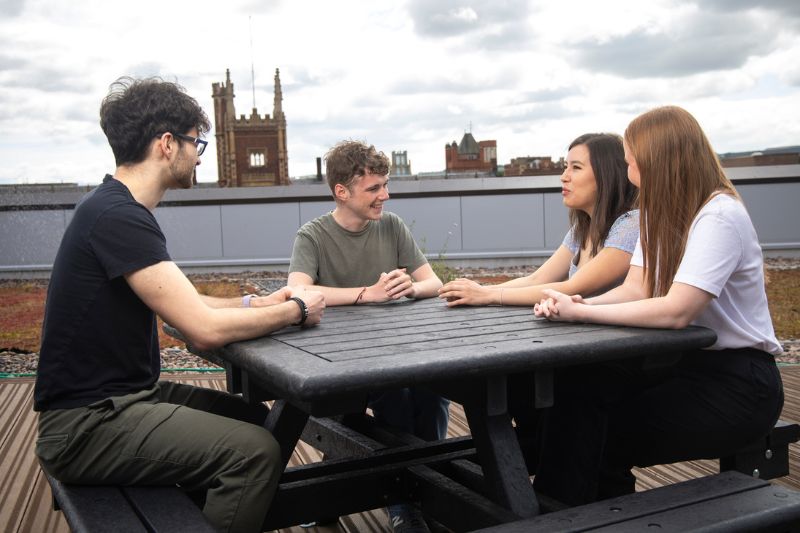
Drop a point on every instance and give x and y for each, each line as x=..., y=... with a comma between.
x=303, y=310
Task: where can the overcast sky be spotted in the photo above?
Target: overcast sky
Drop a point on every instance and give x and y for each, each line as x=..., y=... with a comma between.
x=404, y=75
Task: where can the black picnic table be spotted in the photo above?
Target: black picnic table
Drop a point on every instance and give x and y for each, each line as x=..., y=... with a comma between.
x=467, y=354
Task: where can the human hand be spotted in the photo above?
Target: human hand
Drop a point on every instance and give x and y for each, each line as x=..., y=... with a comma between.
x=376, y=293
x=315, y=304
x=274, y=298
x=558, y=306
x=398, y=283
x=462, y=291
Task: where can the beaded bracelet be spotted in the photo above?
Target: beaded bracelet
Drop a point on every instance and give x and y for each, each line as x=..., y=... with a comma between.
x=303, y=310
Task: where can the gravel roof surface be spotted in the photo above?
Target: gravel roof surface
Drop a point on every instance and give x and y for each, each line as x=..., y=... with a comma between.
x=176, y=359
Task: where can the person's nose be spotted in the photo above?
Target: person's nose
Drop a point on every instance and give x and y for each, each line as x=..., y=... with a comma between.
x=384, y=194
x=564, y=175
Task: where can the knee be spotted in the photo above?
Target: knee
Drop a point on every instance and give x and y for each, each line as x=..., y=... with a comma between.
x=260, y=451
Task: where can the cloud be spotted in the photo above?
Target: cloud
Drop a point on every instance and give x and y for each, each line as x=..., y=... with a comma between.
x=11, y=8
x=8, y=62
x=788, y=8
x=550, y=95
x=699, y=42
x=488, y=24
x=454, y=83
x=34, y=75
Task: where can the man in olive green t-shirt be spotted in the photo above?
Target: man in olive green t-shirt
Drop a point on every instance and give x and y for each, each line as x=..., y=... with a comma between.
x=358, y=254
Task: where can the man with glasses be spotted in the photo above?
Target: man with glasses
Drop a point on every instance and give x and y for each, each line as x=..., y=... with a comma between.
x=359, y=254
x=104, y=416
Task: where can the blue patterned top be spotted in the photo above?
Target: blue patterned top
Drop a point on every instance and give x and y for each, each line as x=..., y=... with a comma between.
x=624, y=234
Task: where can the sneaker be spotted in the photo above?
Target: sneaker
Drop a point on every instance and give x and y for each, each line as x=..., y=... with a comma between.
x=406, y=518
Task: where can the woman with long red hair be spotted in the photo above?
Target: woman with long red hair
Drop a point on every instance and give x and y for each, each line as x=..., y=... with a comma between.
x=698, y=262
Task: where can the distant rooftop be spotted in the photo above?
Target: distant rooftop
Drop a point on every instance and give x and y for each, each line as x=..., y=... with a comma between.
x=766, y=151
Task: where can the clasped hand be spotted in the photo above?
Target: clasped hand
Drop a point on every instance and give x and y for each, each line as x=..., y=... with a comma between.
x=314, y=300
x=558, y=306
x=391, y=286
x=462, y=291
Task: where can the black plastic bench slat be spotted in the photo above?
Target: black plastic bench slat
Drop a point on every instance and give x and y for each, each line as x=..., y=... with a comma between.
x=100, y=508
x=90, y=509
x=640, y=504
x=765, y=509
x=167, y=509
x=753, y=459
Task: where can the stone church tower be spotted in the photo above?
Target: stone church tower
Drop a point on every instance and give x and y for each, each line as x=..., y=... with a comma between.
x=251, y=150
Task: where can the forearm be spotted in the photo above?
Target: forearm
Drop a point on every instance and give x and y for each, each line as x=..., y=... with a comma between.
x=221, y=326
x=647, y=313
x=621, y=294
x=528, y=296
x=340, y=295
x=426, y=288
x=221, y=303
x=522, y=296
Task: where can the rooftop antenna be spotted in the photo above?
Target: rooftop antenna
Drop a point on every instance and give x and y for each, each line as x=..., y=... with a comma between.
x=252, y=62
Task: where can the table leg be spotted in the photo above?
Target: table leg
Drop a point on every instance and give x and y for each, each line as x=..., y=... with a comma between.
x=233, y=378
x=286, y=423
x=498, y=450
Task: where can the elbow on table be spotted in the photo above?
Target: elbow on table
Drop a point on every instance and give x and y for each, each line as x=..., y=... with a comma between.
x=678, y=321
x=204, y=340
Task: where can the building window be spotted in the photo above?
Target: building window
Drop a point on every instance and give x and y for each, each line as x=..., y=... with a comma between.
x=258, y=158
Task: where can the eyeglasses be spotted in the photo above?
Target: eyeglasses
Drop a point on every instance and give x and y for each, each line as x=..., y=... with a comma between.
x=199, y=143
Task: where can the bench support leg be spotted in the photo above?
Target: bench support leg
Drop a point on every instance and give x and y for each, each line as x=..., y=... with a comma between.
x=499, y=452
x=286, y=423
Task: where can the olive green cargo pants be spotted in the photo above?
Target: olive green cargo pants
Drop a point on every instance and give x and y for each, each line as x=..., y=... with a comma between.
x=200, y=439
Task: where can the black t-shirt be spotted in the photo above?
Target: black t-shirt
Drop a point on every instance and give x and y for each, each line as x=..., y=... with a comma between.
x=99, y=339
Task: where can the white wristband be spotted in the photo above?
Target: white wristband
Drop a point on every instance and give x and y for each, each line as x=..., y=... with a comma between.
x=246, y=300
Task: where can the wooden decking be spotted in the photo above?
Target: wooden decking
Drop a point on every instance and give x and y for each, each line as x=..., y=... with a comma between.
x=25, y=501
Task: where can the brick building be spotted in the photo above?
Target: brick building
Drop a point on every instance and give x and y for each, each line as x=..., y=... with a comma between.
x=471, y=155
x=533, y=166
x=251, y=150
x=784, y=155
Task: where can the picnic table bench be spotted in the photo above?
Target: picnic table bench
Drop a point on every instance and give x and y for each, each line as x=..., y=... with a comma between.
x=89, y=508
x=320, y=379
x=726, y=502
x=466, y=354
x=100, y=508
x=767, y=457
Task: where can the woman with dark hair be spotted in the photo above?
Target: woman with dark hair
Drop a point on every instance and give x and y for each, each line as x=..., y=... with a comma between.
x=596, y=252
x=698, y=262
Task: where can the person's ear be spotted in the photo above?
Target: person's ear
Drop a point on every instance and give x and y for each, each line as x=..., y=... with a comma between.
x=341, y=192
x=165, y=145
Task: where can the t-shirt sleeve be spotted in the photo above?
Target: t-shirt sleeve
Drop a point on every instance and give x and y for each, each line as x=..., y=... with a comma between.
x=409, y=256
x=713, y=250
x=127, y=239
x=638, y=257
x=305, y=256
x=624, y=233
x=569, y=241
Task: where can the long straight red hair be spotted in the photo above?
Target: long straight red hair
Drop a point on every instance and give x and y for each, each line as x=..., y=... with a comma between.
x=679, y=172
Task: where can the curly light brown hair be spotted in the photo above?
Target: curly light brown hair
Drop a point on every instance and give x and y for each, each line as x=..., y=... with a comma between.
x=349, y=160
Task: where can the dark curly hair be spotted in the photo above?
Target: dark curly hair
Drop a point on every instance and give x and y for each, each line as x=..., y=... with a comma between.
x=135, y=111
x=351, y=159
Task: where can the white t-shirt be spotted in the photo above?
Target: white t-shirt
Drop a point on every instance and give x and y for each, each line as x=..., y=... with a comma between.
x=723, y=258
